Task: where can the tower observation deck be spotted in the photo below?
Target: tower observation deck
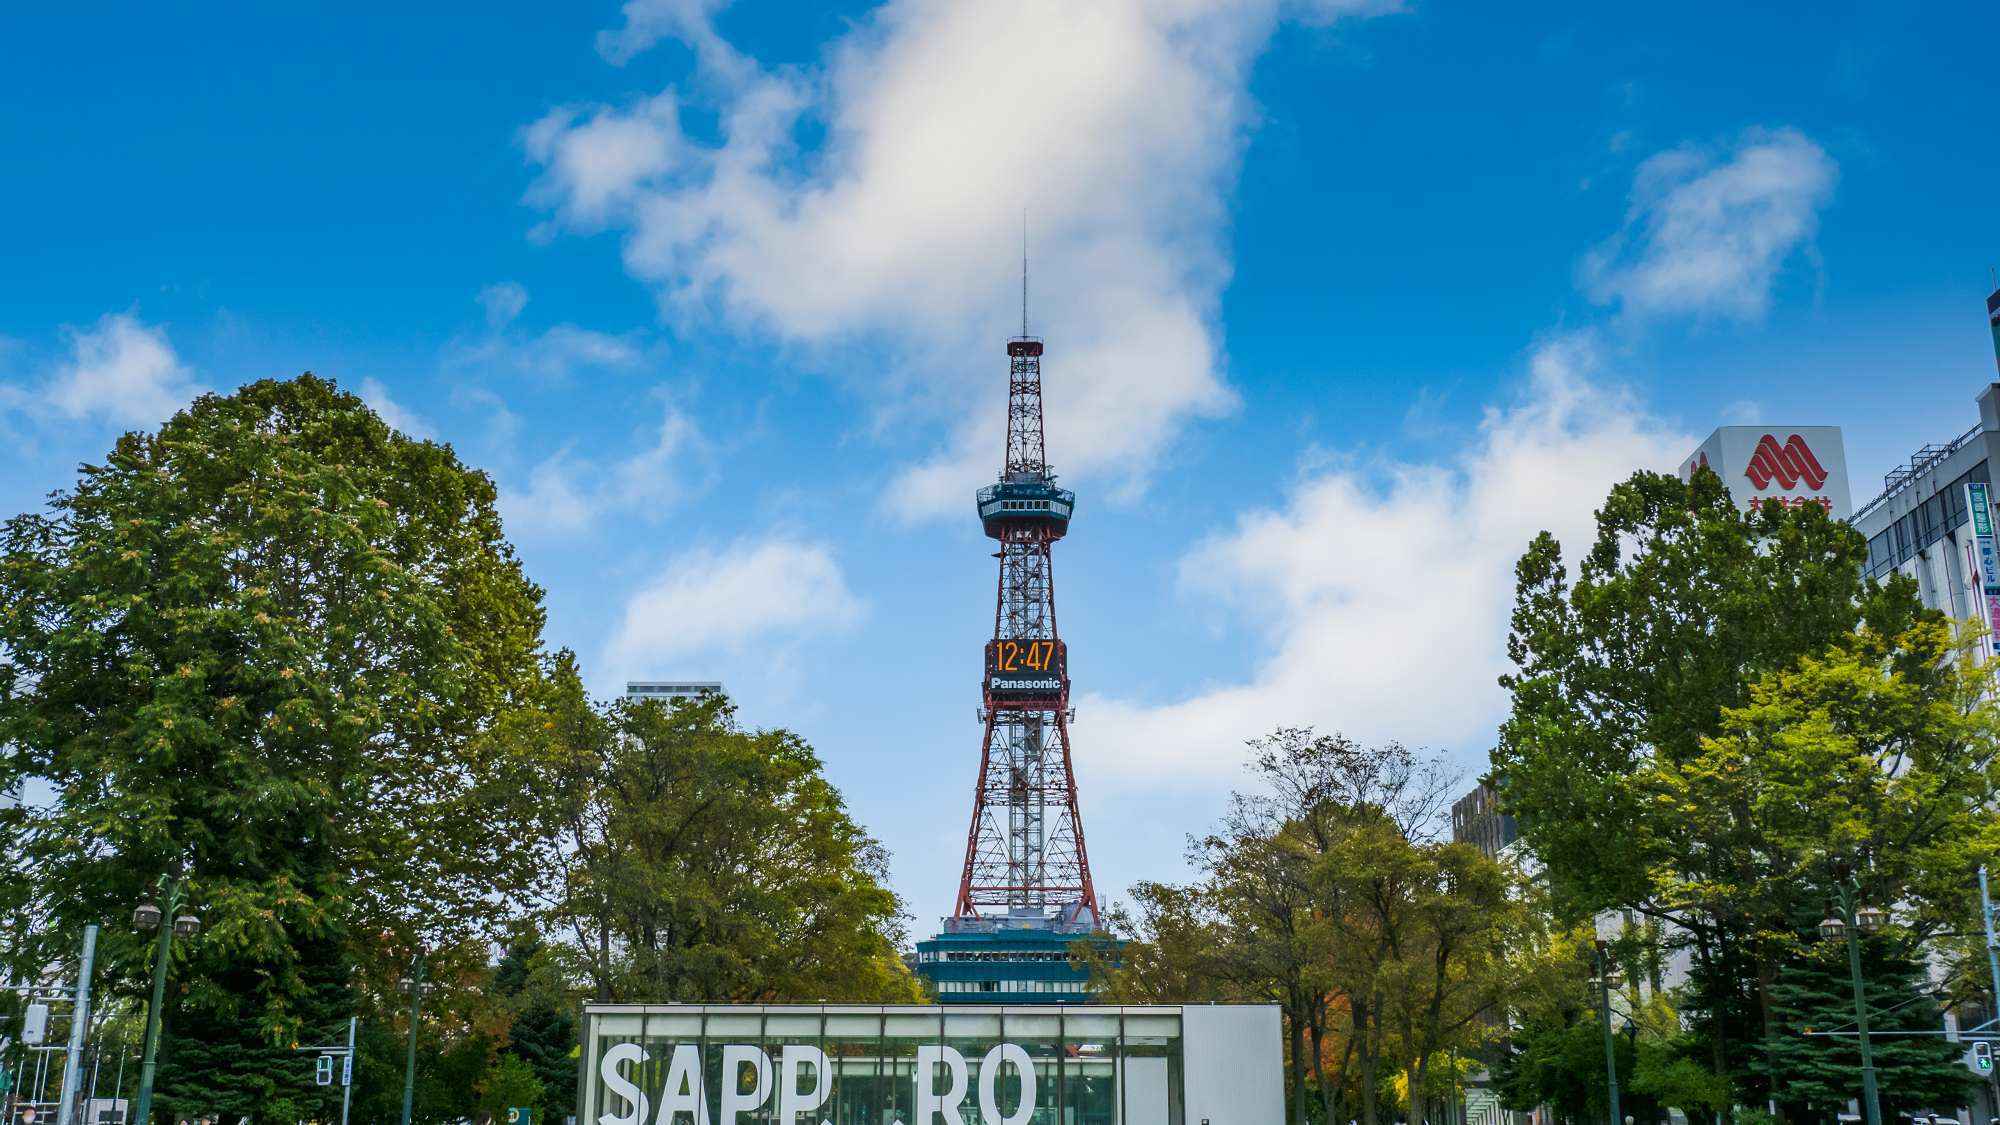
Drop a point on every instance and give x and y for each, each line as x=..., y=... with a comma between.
x=1025, y=889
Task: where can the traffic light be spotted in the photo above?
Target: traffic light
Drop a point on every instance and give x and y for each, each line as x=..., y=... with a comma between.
x=324, y=1072
x=1982, y=1056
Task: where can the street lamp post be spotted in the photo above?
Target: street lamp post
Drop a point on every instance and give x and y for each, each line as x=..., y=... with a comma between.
x=146, y=918
x=1867, y=919
x=416, y=983
x=1605, y=984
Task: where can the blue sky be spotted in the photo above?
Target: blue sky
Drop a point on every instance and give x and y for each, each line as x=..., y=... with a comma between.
x=1344, y=299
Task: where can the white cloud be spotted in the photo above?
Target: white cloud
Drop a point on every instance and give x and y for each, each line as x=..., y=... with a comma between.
x=503, y=302
x=554, y=503
x=1709, y=235
x=399, y=417
x=1743, y=412
x=1383, y=592
x=654, y=476
x=121, y=370
x=755, y=594
x=566, y=494
x=1116, y=125
x=649, y=21
x=555, y=353
x=598, y=158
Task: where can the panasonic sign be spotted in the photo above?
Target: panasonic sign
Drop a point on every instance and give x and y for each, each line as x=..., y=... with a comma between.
x=1081, y=1064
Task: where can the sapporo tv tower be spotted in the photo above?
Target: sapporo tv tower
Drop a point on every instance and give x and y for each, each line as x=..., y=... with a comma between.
x=1025, y=892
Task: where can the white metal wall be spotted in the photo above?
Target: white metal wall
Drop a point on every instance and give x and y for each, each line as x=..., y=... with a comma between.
x=1233, y=1058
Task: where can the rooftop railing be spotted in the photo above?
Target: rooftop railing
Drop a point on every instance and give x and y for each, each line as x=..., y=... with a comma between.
x=1903, y=476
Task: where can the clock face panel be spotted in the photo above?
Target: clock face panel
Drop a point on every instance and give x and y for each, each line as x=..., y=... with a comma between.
x=1029, y=668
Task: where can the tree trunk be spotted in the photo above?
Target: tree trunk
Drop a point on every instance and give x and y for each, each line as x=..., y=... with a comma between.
x=1316, y=1036
x=1334, y=1095
x=1296, y=1031
x=1371, y=1112
x=1719, y=1040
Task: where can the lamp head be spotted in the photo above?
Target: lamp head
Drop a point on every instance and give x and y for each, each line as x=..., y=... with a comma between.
x=146, y=917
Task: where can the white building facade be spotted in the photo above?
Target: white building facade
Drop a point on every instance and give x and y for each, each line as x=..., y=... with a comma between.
x=1081, y=1064
x=1934, y=522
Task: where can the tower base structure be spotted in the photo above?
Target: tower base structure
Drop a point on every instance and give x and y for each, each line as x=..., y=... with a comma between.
x=1022, y=957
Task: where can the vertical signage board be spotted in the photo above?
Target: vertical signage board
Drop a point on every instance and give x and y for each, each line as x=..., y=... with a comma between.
x=1989, y=563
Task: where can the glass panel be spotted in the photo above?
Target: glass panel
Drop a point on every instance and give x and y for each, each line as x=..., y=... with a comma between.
x=1040, y=1035
x=795, y=1030
x=902, y=1034
x=1089, y=1091
x=861, y=1094
x=674, y=1025
x=971, y=1035
x=624, y=1033
x=1151, y=1050
x=722, y=1030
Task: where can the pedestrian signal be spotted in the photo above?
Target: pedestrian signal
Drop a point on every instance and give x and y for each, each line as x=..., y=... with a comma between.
x=1982, y=1056
x=323, y=1073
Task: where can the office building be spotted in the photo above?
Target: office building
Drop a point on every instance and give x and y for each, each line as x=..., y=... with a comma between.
x=1934, y=522
x=1934, y=518
x=671, y=689
x=1476, y=819
x=1789, y=465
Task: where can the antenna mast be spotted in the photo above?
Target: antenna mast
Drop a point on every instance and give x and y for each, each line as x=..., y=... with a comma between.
x=1024, y=272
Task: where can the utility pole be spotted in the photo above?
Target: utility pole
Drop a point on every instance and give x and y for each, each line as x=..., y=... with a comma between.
x=1610, y=1052
x=410, y=1064
x=1993, y=969
x=1845, y=925
x=168, y=923
x=79, y=1024
x=1992, y=945
x=347, y=1073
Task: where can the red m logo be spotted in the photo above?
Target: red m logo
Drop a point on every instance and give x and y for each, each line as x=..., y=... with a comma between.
x=1787, y=464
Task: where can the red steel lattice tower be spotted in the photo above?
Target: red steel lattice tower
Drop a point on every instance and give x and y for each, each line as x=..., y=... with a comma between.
x=1025, y=860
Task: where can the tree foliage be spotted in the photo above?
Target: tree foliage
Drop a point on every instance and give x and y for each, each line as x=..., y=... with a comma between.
x=1327, y=892
x=251, y=650
x=1719, y=725
x=709, y=863
x=1915, y=1070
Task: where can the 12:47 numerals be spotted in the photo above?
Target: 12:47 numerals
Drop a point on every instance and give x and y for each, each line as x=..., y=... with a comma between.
x=1024, y=656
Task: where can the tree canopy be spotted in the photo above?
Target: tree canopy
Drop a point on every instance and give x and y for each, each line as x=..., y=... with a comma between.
x=1719, y=726
x=248, y=651
x=1327, y=892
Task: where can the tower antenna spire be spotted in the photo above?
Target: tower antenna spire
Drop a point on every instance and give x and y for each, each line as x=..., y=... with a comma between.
x=1024, y=271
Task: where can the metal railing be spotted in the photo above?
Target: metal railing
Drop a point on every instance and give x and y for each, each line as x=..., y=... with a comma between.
x=1921, y=462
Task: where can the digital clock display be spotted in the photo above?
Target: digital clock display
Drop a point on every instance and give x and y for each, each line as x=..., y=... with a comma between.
x=1026, y=668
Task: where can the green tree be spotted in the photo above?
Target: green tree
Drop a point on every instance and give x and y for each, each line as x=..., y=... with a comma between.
x=709, y=863
x=1916, y=1068
x=253, y=649
x=510, y=1082
x=1624, y=679
x=543, y=1034
x=1327, y=893
x=1559, y=1065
